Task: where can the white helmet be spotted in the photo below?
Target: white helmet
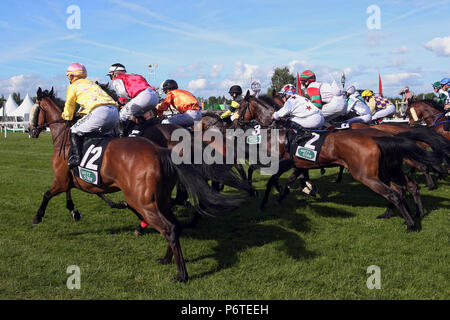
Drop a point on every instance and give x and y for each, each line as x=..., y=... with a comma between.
x=351, y=90
x=116, y=67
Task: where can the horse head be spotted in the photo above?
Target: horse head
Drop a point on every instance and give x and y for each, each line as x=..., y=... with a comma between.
x=43, y=113
x=423, y=111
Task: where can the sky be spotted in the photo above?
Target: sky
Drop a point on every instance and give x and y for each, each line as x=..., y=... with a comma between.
x=209, y=45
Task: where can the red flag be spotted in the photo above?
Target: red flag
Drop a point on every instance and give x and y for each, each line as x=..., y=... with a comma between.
x=299, y=86
x=380, y=86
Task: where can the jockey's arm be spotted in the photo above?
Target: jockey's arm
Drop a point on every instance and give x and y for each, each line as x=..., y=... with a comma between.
x=226, y=114
x=70, y=105
x=313, y=94
x=283, y=112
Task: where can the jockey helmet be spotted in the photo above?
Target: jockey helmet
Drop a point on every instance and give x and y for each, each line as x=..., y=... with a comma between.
x=437, y=85
x=169, y=85
x=235, y=89
x=366, y=93
x=351, y=90
x=288, y=90
x=445, y=81
x=76, y=70
x=307, y=75
x=116, y=67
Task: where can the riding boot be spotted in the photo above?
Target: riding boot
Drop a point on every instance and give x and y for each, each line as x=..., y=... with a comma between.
x=447, y=124
x=75, y=155
x=125, y=128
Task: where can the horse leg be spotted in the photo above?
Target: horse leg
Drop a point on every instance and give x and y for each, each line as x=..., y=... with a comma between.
x=430, y=182
x=52, y=192
x=114, y=205
x=76, y=215
x=340, y=175
x=391, y=195
x=169, y=227
x=388, y=213
x=413, y=188
x=241, y=171
x=284, y=166
x=287, y=186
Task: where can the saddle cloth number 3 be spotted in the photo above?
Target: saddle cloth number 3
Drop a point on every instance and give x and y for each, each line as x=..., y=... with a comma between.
x=95, y=152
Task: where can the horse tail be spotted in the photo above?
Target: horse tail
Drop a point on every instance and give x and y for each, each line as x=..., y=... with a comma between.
x=436, y=141
x=191, y=177
x=394, y=149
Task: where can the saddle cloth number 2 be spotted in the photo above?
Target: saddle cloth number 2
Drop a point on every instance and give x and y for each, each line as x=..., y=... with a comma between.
x=95, y=152
x=310, y=142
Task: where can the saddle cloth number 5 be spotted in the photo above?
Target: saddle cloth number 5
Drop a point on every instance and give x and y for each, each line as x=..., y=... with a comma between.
x=95, y=152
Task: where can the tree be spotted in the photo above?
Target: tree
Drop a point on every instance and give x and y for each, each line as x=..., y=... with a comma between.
x=16, y=97
x=281, y=76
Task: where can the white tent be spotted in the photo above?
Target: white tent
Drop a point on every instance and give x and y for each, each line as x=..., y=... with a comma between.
x=10, y=106
x=24, y=109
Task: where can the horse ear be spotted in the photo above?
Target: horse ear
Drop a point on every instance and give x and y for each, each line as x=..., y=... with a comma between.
x=39, y=92
x=247, y=95
x=274, y=93
x=51, y=92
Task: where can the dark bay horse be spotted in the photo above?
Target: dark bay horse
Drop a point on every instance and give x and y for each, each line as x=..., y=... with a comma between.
x=372, y=157
x=425, y=138
x=143, y=171
x=429, y=112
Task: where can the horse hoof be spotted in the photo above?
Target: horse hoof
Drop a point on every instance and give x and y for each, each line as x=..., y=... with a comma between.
x=36, y=220
x=180, y=279
x=164, y=261
x=76, y=215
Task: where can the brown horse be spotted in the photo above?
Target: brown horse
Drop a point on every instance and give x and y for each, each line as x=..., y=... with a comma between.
x=373, y=158
x=425, y=138
x=429, y=112
x=143, y=171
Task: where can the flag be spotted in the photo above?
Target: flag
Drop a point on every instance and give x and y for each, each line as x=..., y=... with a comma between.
x=299, y=86
x=380, y=86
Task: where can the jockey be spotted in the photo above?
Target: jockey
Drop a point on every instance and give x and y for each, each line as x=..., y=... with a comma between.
x=134, y=91
x=379, y=106
x=446, y=91
x=330, y=99
x=98, y=109
x=301, y=112
x=357, y=109
x=186, y=104
x=439, y=93
x=236, y=95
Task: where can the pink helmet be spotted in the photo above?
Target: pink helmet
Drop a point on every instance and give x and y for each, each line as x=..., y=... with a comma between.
x=77, y=70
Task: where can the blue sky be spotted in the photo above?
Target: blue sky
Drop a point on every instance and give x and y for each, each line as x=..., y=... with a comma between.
x=207, y=46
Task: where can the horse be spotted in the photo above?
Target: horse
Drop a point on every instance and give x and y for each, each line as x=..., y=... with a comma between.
x=429, y=112
x=424, y=136
x=143, y=171
x=372, y=157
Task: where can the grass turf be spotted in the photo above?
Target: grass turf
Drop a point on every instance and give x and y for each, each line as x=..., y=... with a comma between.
x=303, y=249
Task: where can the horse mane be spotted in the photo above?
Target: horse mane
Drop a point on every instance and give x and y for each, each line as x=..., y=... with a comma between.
x=52, y=96
x=269, y=100
x=211, y=114
x=431, y=103
x=106, y=87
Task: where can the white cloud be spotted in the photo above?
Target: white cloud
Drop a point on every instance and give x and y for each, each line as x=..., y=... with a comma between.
x=195, y=85
x=215, y=70
x=374, y=38
x=401, y=78
x=403, y=49
x=441, y=46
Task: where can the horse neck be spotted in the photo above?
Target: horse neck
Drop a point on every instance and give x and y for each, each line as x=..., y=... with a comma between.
x=429, y=115
x=263, y=115
x=53, y=114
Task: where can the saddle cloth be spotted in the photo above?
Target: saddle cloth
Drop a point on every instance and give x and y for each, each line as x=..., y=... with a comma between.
x=91, y=160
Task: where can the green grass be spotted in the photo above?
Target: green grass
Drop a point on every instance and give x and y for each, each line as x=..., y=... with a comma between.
x=304, y=249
